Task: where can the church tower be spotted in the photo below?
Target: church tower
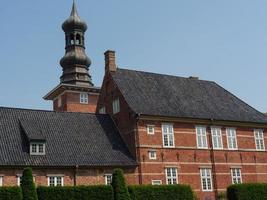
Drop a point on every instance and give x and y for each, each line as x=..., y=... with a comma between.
x=76, y=92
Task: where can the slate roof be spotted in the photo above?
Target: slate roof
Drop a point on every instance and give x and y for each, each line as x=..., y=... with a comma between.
x=172, y=96
x=71, y=139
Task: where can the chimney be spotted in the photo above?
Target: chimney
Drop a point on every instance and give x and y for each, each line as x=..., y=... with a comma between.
x=110, y=61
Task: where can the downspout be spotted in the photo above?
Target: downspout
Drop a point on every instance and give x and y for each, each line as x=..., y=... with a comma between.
x=137, y=145
x=75, y=175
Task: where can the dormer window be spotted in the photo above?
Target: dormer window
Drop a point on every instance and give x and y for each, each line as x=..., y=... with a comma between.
x=84, y=98
x=37, y=148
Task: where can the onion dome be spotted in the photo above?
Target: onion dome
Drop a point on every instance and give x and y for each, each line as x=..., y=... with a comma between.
x=74, y=22
x=76, y=56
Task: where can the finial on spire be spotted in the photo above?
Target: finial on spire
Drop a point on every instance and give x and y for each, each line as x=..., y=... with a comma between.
x=74, y=21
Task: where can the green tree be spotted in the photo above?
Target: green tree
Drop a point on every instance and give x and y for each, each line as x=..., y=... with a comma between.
x=119, y=186
x=28, y=186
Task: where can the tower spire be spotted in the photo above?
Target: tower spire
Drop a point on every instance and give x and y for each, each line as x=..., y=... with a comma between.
x=75, y=63
x=74, y=9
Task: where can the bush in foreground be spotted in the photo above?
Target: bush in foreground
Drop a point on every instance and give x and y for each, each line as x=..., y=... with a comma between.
x=247, y=191
x=10, y=193
x=119, y=186
x=75, y=193
x=161, y=192
x=28, y=186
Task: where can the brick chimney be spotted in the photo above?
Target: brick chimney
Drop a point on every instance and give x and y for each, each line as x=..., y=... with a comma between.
x=110, y=61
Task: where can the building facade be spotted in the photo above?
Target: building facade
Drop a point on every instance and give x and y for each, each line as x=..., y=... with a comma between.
x=159, y=129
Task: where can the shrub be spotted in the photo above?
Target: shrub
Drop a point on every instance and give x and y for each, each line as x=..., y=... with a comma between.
x=248, y=191
x=10, y=193
x=75, y=193
x=161, y=192
x=28, y=186
x=119, y=186
x=221, y=196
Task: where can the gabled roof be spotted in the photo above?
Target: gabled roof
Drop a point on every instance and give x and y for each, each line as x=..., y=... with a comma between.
x=71, y=139
x=172, y=96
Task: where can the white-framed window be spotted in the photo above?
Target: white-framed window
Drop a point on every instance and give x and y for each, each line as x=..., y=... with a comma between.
x=231, y=138
x=201, y=137
x=150, y=129
x=116, y=106
x=19, y=178
x=84, y=98
x=102, y=110
x=171, y=175
x=59, y=101
x=152, y=154
x=108, y=179
x=55, y=180
x=37, y=148
x=156, y=182
x=216, y=134
x=168, y=135
x=206, y=179
x=236, y=175
x=1, y=180
x=259, y=139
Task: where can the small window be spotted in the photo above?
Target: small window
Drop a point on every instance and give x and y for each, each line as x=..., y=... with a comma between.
x=201, y=137
x=171, y=176
x=206, y=179
x=152, y=154
x=102, y=110
x=150, y=129
x=168, y=135
x=71, y=39
x=84, y=98
x=55, y=181
x=37, y=148
x=156, y=182
x=108, y=179
x=216, y=134
x=19, y=178
x=259, y=139
x=236, y=175
x=116, y=106
x=1, y=181
x=231, y=138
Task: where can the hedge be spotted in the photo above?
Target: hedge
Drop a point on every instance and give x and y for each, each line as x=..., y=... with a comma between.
x=247, y=191
x=10, y=193
x=161, y=192
x=75, y=193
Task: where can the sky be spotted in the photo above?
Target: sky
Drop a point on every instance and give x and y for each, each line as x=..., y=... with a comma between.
x=222, y=41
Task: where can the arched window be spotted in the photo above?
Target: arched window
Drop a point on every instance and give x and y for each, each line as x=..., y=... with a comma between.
x=82, y=40
x=78, y=39
x=71, y=39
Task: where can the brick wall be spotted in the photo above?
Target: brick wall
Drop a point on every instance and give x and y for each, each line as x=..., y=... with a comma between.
x=70, y=102
x=125, y=119
x=188, y=159
x=83, y=176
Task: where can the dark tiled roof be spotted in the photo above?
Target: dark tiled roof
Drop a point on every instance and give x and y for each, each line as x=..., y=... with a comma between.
x=71, y=139
x=165, y=95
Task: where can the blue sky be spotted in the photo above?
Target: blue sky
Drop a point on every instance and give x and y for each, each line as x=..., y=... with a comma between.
x=224, y=41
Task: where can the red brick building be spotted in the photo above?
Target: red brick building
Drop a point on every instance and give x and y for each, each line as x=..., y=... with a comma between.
x=160, y=129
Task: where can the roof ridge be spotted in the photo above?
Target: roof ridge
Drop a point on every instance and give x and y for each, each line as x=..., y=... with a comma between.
x=49, y=111
x=160, y=74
